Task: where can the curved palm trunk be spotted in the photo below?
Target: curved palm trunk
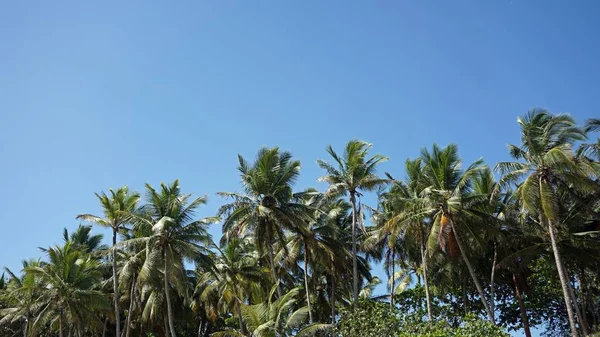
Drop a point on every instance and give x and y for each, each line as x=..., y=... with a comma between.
x=354, y=258
x=524, y=319
x=425, y=281
x=168, y=297
x=492, y=277
x=563, y=280
x=131, y=300
x=115, y=283
x=583, y=326
x=310, y=317
x=472, y=272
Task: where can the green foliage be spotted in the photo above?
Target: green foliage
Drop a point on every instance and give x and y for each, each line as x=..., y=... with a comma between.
x=413, y=326
x=370, y=319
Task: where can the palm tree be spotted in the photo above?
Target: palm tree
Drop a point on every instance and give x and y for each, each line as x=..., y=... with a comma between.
x=546, y=161
x=116, y=209
x=236, y=270
x=354, y=173
x=83, y=239
x=68, y=295
x=267, y=206
x=175, y=237
x=20, y=297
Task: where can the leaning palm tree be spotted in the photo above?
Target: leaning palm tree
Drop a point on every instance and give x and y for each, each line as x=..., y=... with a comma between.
x=174, y=237
x=116, y=210
x=267, y=206
x=354, y=173
x=546, y=162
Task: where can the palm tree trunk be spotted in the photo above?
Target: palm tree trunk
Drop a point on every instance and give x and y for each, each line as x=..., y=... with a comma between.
x=524, y=319
x=332, y=296
x=563, y=279
x=310, y=317
x=168, y=296
x=129, y=313
x=60, y=327
x=104, y=327
x=354, y=258
x=115, y=283
x=26, y=326
x=582, y=296
x=272, y=263
x=492, y=277
x=425, y=281
x=584, y=329
x=165, y=325
x=240, y=319
x=472, y=272
x=393, y=279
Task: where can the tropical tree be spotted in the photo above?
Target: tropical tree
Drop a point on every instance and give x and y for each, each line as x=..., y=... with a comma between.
x=69, y=294
x=354, y=174
x=236, y=271
x=116, y=210
x=176, y=236
x=546, y=162
x=267, y=206
x=20, y=295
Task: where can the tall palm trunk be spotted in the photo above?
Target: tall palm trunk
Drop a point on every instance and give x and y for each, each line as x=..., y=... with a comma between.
x=129, y=313
x=240, y=319
x=472, y=272
x=425, y=281
x=392, y=289
x=60, y=327
x=272, y=263
x=559, y=266
x=524, y=319
x=354, y=258
x=583, y=326
x=492, y=277
x=563, y=279
x=115, y=283
x=332, y=296
x=168, y=296
x=310, y=317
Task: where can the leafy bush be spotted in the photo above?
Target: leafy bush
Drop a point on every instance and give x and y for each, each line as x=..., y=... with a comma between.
x=372, y=319
x=414, y=326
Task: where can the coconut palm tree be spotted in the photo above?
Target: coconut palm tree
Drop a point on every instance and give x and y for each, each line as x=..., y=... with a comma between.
x=68, y=295
x=236, y=269
x=546, y=162
x=267, y=206
x=175, y=236
x=116, y=210
x=20, y=295
x=353, y=175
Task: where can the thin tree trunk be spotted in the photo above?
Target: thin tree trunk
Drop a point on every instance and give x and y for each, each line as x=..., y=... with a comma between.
x=168, y=296
x=582, y=297
x=472, y=272
x=584, y=328
x=129, y=313
x=559, y=266
x=332, y=296
x=60, y=327
x=424, y=266
x=524, y=319
x=392, y=290
x=310, y=317
x=26, y=326
x=165, y=326
x=492, y=295
x=116, y=283
x=200, y=327
x=240, y=319
x=104, y=327
x=272, y=262
x=563, y=280
x=354, y=251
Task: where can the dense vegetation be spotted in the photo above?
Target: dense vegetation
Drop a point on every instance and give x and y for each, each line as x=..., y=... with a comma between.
x=469, y=250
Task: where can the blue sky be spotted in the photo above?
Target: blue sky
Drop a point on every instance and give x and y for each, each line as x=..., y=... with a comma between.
x=98, y=95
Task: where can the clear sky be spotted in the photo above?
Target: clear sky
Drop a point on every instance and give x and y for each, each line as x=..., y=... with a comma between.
x=96, y=95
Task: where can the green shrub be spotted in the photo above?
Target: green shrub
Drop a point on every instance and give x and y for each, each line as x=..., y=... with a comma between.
x=413, y=326
x=372, y=319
